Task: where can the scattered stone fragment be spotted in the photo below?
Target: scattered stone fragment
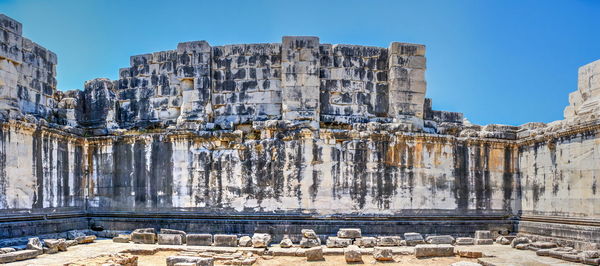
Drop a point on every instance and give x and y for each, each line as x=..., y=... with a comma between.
x=383, y=254
x=470, y=254
x=503, y=240
x=286, y=242
x=434, y=250
x=309, y=233
x=310, y=242
x=413, y=239
x=170, y=239
x=144, y=230
x=199, y=239
x=388, y=241
x=572, y=257
x=349, y=233
x=483, y=234
x=19, y=255
x=143, y=238
x=543, y=245
x=484, y=241
x=336, y=242
x=121, y=239
x=519, y=240
x=74, y=234
x=522, y=246
x=245, y=241
x=590, y=254
x=543, y=252
x=51, y=250
x=366, y=242
x=174, y=232
x=71, y=243
x=199, y=261
x=352, y=254
x=443, y=239
x=85, y=239
x=464, y=241
x=35, y=244
x=260, y=240
x=313, y=254
x=221, y=240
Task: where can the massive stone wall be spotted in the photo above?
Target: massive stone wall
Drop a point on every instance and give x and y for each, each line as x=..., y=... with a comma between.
x=276, y=136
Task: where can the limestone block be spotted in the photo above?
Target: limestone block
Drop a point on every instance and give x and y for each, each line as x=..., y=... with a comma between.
x=470, y=254
x=193, y=47
x=11, y=25
x=366, y=242
x=121, y=239
x=143, y=238
x=199, y=261
x=352, y=254
x=519, y=240
x=34, y=244
x=310, y=242
x=177, y=232
x=245, y=241
x=261, y=240
x=170, y=239
x=503, y=240
x=443, y=239
x=383, y=254
x=465, y=263
x=19, y=255
x=406, y=49
x=314, y=254
x=484, y=241
x=349, y=233
x=309, y=233
x=388, y=241
x=199, y=239
x=543, y=245
x=221, y=240
x=336, y=242
x=286, y=242
x=591, y=254
x=7, y=250
x=58, y=244
x=482, y=234
x=433, y=250
x=590, y=261
x=413, y=239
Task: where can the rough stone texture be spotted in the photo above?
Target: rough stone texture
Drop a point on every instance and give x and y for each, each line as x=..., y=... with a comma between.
x=143, y=238
x=336, y=242
x=481, y=234
x=314, y=254
x=121, y=239
x=413, y=239
x=221, y=240
x=286, y=242
x=261, y=240
x=520, y=240
x=34, y=244
x=484, y=241
x=199, y=239
x=349, y=233
x=245, y=241
x=445, y=239
x=172, y=231
x=293, y=130
x=19, y=255
x=433, y=250
x=309, y=233
x=388, y=241
x=170, y=239
x=366, y=242
x=352, y=254
x=383, y=254
x=470, y=254
x=309, y=242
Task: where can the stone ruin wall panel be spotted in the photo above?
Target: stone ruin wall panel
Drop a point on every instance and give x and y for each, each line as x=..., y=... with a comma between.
x=399, y=176
x=40, y=171
x=561, y=177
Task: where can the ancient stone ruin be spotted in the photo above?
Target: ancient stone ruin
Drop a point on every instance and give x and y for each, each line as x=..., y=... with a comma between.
x=262, y=141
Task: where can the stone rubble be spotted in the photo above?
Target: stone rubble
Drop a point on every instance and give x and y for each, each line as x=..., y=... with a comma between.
x=352, y=254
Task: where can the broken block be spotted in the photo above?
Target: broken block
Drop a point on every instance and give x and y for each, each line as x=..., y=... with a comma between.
x=336, y=242
x=463, y=241
x=143, y=238
x=349, y=233
x=225, y=240
x=314, y=254
x=383, y=254
x=199, y=239
x=444, y=239
x=352, y=254
x=366, y=242
x=413, y=239
x=434, y=250
x=170, y=239
x=388, y=241
x=261, y=240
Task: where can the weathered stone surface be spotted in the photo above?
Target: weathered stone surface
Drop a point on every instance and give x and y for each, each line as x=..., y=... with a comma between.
x=336, y=242
x=388, y=241
x=352, y=254
x=349, y=233
x=221, y=240
x=6, y=250
x=85, y=239
x=445, y=239
x=19, y=255
x=143, y=238
x=543, y=245
x=383, y=254
x=519, y=240
x=144, y=230
x=484, y=241
x=413, y=239
x=34, y=244
x=199, y=239
x=504, y=240
x=286, y=242
x=170, y=239
x=465, y=263
x=470, y=254
x=177, y=232
x=310, y=242
x=433, y=250
x=590, y=254
x=481, y=234
x=245, y=241
x=199, y=261
x=309, y=233
x=314, y=254
x=261, y=240
x=366, y=242
x=121, y=239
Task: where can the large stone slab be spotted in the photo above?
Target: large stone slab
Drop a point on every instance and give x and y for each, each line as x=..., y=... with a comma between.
x=434, y=250
x=383, y=254
x=349, y=233
x=143, y=238
x=170, y=239
x=336, y=242
x=444, y=239
x=199, y=239
x=389, y=241
x=221, y=240
x=19, y=255
x=314, y=254
x=352, y=254
x=413, y=239
x=199, y=261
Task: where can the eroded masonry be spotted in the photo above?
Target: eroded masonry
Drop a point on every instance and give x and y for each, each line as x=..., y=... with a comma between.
x=276, y=137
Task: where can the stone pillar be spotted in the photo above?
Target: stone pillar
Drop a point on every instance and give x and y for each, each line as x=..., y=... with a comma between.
x=300, y=78
x=193, y=72
x=406, y=79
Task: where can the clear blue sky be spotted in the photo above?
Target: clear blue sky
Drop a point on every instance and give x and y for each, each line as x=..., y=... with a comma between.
x=506, y=62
